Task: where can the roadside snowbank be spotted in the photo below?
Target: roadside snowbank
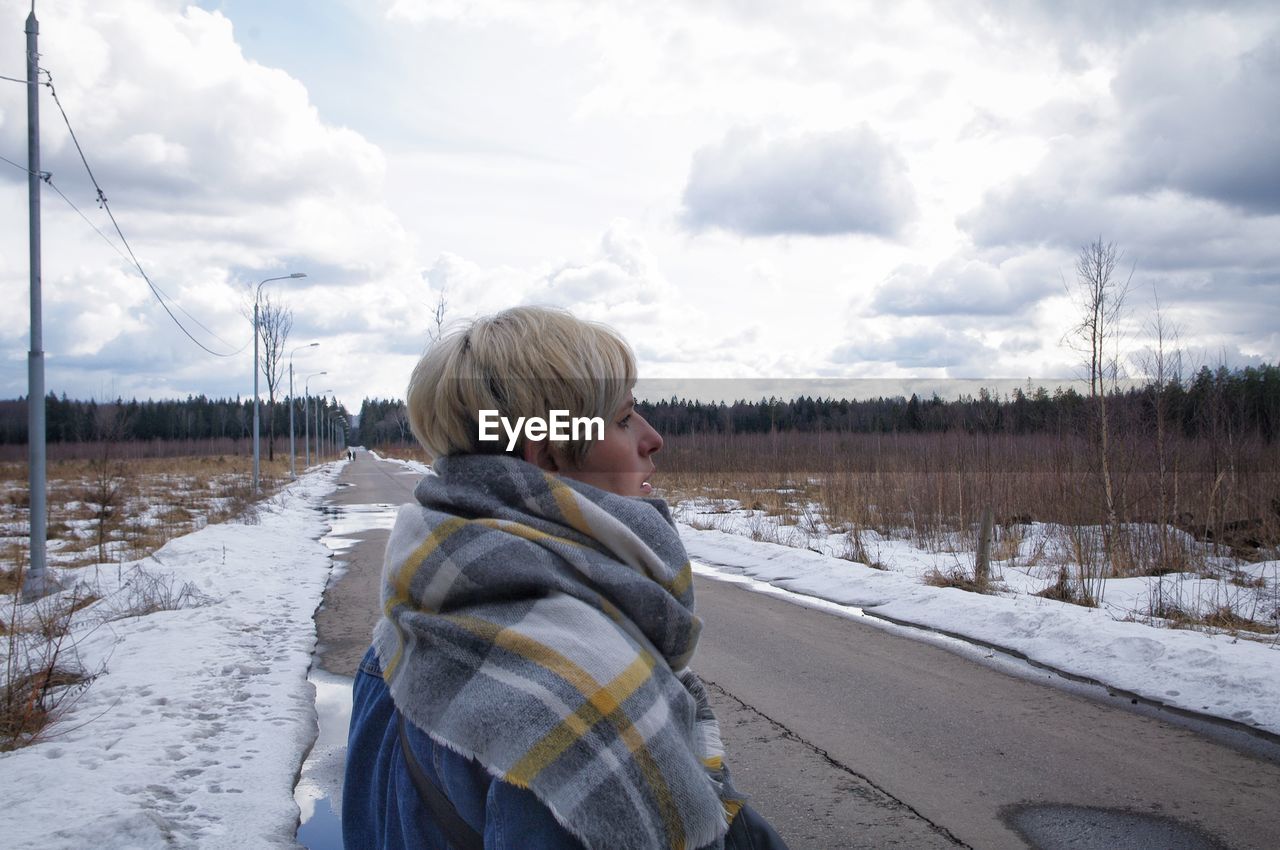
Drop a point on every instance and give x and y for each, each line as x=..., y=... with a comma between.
x=194, y=730
x=1214, y=674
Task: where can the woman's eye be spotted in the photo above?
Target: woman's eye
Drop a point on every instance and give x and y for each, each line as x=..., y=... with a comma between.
x=626, y=421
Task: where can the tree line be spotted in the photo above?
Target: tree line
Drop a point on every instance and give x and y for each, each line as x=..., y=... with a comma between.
x=193, y=418
x=1211, y=403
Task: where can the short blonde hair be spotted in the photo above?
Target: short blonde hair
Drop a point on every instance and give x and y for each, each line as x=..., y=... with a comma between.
x=525, y=361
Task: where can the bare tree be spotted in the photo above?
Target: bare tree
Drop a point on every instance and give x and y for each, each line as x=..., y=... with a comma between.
x=1163, y=366
x=108, y=473
x=275, y=321
x=1101, y=296
x=436, y=330
x=398, y=416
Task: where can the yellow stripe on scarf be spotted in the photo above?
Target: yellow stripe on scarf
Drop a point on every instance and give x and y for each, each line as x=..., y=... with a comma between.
x=601, y=704
x=680, y=584
x=567, y=501
x=527, y=532
x=405, y=573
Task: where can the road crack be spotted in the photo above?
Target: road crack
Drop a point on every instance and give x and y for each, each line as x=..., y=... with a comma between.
x=829, y=759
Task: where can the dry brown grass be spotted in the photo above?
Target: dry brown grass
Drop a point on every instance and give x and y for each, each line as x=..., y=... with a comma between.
x=32, y=702
x=1223, y=618
x=931, y=489
x=956, y=577
x=106, y=509
x=1064, y=589
x=38, y=684
x=403, y=452
x=10, y=579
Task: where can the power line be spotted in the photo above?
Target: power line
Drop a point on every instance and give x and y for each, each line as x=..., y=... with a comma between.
x=23, y=167
x=104, y=236
x=116, y=248
x=102, y=202
x=48, y=179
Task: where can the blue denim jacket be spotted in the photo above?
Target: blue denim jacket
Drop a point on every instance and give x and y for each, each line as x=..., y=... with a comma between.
x=381, y=808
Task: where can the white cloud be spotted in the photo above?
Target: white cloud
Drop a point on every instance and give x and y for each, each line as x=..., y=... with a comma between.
x=1082, y=30
x=220, y=172
x=1209, y=128
x=489, y=144
x=968, y=286
x=1175, y=164
x=622, y=275
x=925, y=345
x=818, y=185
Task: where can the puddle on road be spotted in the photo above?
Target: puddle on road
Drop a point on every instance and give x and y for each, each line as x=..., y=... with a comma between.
x=348, y=520
x=319, y=789
x=1052, y=826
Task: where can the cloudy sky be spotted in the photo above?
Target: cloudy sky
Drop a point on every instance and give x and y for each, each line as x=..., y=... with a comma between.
x=840, y=189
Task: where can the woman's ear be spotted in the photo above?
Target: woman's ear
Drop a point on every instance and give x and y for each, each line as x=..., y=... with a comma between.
x=539, y=453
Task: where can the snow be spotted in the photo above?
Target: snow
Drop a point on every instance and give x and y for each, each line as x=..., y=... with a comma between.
x=193, y=732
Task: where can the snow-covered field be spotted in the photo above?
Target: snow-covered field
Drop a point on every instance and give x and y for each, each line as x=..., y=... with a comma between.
x=1028, y=558
x=194, y=728
x=121, y=509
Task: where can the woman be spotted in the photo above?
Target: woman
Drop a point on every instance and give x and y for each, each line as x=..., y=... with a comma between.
x=528, y=684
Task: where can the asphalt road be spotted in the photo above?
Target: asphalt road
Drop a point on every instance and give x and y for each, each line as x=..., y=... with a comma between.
x=850, y=736
x=344, y=623
x=960, y=742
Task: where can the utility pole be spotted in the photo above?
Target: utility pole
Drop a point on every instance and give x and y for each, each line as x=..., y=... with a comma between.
x=293, y=460
x=293, y=455
x=319, y=398
x=306, y=414
x=256, y=295
x=37, y=581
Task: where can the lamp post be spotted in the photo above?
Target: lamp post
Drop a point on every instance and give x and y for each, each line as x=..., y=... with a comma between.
x=257, y=293
x=318, y=397
x=293, y=459
x=339, y=434
x=306, y=414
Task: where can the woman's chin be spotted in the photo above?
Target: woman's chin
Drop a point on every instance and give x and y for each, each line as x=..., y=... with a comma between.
x=646, y=489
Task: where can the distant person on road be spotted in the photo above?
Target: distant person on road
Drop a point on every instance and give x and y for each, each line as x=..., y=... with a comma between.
x=528, y=685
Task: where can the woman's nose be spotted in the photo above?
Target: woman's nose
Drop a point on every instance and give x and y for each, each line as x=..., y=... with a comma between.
x=652, y=441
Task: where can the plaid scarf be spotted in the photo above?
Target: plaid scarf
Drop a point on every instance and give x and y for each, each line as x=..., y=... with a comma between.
x=544, y=627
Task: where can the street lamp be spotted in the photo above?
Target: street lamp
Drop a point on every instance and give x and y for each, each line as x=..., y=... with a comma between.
x=293, y=464
x=306, y=414
x=339, y=432
x=318, y=397
x=256, y=294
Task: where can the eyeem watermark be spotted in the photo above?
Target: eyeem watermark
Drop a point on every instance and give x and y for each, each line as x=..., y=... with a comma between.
x=561, y=426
